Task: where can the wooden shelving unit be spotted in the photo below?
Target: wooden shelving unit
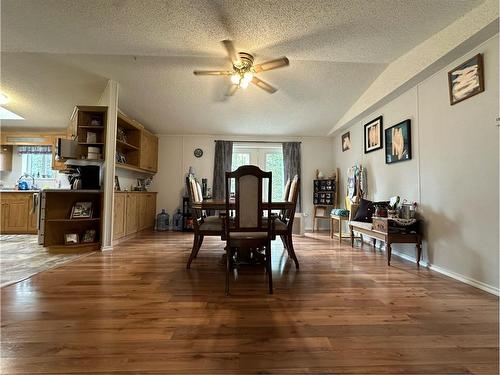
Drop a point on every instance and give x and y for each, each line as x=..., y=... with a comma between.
x=325, y=197
x=56, y=218
x=84, y=121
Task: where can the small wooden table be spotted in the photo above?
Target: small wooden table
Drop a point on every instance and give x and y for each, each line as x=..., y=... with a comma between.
x=339, y=220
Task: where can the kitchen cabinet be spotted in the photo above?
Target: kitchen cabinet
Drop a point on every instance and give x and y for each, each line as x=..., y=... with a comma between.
x=149, y=151
x=133, y=212
x=5, y=158
x=18, y=215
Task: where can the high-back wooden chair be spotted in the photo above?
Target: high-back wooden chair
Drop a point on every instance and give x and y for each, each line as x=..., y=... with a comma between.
x=248, y=228
x=284, y=226
x=202, y=225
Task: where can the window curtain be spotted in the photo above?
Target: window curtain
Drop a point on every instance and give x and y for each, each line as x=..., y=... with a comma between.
x=34, y=150
x=222, y=164
x=291, y=163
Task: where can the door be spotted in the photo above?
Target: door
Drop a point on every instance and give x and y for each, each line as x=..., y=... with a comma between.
x=131, y=214
x=119, y=215
x=16, y=215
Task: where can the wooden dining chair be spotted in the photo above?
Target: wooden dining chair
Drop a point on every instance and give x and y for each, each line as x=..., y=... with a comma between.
x=202, y=225
x=248, y=229
x=284, y=225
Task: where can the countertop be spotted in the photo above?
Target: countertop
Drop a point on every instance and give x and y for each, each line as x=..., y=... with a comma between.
x=20, y=191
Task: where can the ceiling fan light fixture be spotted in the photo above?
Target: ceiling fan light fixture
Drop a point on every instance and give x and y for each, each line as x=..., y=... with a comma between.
x=235, y=78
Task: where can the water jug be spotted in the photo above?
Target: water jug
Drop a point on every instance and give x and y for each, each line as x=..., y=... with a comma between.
x=162, y=221
x=177, y=221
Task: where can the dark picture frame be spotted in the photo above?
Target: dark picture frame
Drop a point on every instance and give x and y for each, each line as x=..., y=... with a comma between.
x=81, y=210
x=71, y=239
x=466, y=80
x=373, y=129
x=398, y=142
x=89, y=236
x=117, y=184
x=346, y=141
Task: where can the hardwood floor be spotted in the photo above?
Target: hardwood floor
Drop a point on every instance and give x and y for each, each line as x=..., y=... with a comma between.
x=138, y=310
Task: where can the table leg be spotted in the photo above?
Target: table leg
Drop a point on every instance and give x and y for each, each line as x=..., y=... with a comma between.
x=352, y=235
x=419, y=253
x=389, y=251
x=340, y=230
x=331, y=227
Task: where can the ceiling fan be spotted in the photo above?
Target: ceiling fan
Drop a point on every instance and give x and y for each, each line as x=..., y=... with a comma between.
x=243, y=71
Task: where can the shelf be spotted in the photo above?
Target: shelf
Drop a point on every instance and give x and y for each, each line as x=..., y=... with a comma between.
x=91, y=144
x=134, y=168
x=73, y=220
x=126, y=146
x=95, y=127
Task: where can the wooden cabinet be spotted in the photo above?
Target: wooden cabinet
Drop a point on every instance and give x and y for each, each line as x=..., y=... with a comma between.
x=133, y=212
x=119, y=215
x=131, y=217
x=33, y=214
x=18, y=215
x=149, y=151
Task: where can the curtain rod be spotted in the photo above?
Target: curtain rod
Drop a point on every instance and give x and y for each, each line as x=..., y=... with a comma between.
x=254, y=141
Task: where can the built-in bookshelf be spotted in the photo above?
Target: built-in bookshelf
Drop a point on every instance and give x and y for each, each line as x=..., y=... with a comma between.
x=88, y=128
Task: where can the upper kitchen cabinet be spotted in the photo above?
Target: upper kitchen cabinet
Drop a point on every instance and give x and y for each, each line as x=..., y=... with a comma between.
x=88, y=128
x=149, y=151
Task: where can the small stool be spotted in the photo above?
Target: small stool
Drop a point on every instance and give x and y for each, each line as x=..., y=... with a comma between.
x=339, y=219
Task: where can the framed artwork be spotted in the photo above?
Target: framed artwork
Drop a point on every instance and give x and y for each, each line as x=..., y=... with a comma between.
x=71, y=238
x=89, y=236
x=117, y=184
x=398, y=142
x=346, y=141
x=81, y=210
x=466, y=80
x=373, y=135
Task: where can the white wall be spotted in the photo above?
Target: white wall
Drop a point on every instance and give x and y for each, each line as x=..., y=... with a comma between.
x=453, y=173
x=176, y=156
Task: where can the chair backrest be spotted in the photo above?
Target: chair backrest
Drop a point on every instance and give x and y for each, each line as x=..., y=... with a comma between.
x=194, y=197
x=287, y=190
x=249, y=208
x=293, y=197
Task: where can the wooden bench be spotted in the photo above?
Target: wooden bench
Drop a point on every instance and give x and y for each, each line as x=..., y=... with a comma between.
x=378, y=229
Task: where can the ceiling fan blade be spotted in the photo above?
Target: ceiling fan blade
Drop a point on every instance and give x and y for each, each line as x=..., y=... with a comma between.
x=232, y=90
x=212, y=73
x=270, y=65
x=231, y=51
x=264, y=85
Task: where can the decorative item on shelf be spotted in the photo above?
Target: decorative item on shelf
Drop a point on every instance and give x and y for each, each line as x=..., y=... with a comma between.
x=204, y=185
x=162, y=221
x=89, y=236
x=319, y=174
x=81, y=210
x=120, y=157
x=398, y=142
x=94, y=153
x=95, y=121
x=380, y=209
x=198, y=152
x=346, y=141
x=117, y=184
x=466, y=80
x=373, y=135
x=71, y=239
x=91, y=137
x=177, y=220
x=408, y=210
x=141, y=185
x=121, y=135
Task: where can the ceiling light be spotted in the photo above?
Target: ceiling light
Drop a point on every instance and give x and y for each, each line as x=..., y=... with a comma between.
x=5, y=114
x=3, y=98
x=235, y=78
x=244, y=83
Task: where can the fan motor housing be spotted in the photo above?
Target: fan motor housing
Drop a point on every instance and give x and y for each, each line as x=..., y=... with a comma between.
x=246, y=61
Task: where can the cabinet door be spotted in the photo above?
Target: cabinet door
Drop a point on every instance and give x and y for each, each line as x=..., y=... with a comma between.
x=32, y=216
x=119, y=215
x=151, y=210
x=16, y=215
x=143, y=211
x=149, y=151
x=131, y=214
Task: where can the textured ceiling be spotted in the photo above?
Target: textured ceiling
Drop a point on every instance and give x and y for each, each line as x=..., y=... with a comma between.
x=336, y=49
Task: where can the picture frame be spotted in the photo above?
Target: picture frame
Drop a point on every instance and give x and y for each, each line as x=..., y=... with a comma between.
x=81, y=210
x=466, y=80
x=373, y=135
x=398, y=142
x=117, y=184
x=346, y=141
x=89, y=236
x=71, y=239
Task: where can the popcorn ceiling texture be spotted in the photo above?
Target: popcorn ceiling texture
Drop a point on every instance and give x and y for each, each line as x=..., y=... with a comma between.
x=337, y=48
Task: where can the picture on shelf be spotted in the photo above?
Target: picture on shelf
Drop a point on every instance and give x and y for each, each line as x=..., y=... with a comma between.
x=466, y=80
x=373, y=135
x=346, y=141
x=91, y=137
x=117, y=184
x=95, y=121
x=71, y=238
x=121, y=135
x=120, y=158
x=89, y=236
x=398, y=142
x=81, y=210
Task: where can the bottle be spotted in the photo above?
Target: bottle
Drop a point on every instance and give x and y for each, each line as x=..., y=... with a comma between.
x=177, y=221
x=162, y=221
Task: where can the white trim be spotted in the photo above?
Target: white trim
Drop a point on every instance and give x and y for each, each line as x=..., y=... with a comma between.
x=106, y=248
x=453, y=275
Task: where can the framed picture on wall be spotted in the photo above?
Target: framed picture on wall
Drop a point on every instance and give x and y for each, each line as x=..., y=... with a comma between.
x=398, y=142
x=373, y=135
x=346, y=141
x=466, y=80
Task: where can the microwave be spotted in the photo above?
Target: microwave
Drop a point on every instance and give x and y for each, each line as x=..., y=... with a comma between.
x=66, y=149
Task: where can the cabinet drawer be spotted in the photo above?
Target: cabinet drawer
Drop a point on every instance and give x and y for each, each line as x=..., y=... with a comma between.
x=380, y=225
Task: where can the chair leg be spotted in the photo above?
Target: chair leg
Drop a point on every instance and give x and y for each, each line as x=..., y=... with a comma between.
x=228, y=266
x=283, y=239
x=269, y=267
x=351, y=233
x=194, y=251
x=200, y=241
x=291, y=251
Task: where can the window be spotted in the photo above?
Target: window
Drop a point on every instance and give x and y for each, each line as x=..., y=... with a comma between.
x=266, y=156
x=37, y=163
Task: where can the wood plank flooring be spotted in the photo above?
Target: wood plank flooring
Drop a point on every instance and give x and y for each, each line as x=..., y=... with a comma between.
x=138, y=310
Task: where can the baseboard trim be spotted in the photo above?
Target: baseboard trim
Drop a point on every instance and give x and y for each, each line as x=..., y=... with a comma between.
x=453, y=275
x=107, y=248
